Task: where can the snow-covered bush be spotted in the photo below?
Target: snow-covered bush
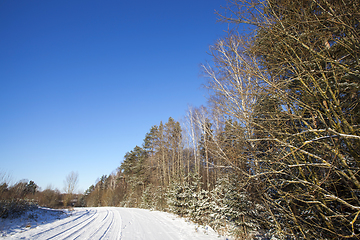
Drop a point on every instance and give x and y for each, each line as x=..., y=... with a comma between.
x=148, y=198
x=232, y=211
x=177, y=198
x=182, y=198
x=200, y=209
x=15, y=207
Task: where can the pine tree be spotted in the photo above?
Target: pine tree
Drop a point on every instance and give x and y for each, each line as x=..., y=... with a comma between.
x=136, y=176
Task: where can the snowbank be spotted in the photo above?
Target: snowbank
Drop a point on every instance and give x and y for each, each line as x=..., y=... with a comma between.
x=30, y=219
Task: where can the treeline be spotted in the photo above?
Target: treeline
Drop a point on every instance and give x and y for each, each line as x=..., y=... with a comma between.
x=19, y=190
x=276, y=151
x=178, y=169
x=16, y=198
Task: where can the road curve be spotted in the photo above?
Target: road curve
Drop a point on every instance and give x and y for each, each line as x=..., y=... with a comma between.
x=117, y=223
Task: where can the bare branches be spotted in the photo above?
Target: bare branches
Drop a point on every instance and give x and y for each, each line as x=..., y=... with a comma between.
x=293, y=87
x=71, y=182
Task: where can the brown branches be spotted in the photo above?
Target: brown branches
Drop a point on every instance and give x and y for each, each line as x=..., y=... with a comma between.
x=294, y=89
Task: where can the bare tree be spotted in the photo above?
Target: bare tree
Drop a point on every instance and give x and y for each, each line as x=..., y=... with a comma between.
x=70, y=185
x=5, y=178
x=4, y=185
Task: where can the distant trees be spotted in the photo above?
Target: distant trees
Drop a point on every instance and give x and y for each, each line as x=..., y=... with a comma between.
x=168, y=173
x=145, y=170
x=19, y=190
x=23, y=194
x=49, y=197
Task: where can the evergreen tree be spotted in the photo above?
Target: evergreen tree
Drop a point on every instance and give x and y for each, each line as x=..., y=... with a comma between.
x=232, y=208
x=136, y=177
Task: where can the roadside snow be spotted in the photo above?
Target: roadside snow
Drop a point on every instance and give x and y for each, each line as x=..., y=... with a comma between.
x=30, y=219
x=102, y=223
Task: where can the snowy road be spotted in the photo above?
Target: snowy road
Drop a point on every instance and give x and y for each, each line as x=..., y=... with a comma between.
x=117, y=223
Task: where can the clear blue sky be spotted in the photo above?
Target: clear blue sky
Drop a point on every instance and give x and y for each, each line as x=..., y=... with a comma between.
x=82, y=82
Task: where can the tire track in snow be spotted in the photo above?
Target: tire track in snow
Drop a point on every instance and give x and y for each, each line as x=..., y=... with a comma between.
x=68, y=221
x=78, y=227
x=118, y=226
x=102, y=230
x=100, y=227
x=108, y=228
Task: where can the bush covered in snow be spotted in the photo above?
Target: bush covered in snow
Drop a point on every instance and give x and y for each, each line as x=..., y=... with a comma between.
x=15, y=207
x=225, y=208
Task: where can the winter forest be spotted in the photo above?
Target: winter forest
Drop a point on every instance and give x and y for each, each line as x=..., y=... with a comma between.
x=276, y=151
x=277, y=148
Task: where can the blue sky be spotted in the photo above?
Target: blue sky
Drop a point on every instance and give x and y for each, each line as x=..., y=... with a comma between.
x=82, y=82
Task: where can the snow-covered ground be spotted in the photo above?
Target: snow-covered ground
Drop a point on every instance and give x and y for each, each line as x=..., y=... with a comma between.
x=102, y=223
